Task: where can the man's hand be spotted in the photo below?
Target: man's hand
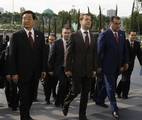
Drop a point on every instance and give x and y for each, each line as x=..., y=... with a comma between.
x=126, y=66
x=94, y=74
x=50, y=73
x=68, y=73
x=15, y=77
x=99, y=70
x=8, y=77
x=121, y=69
x=43, y=75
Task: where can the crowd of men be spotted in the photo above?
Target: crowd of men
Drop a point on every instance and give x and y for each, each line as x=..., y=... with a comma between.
x=77, y=63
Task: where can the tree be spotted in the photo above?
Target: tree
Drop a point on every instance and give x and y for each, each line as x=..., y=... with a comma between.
x=137, y=25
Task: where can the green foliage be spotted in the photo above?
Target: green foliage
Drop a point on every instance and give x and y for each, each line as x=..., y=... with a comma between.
x=65, y=17
x=134, y=23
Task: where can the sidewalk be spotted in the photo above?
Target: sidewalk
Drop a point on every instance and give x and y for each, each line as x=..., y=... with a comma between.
x=130, y=109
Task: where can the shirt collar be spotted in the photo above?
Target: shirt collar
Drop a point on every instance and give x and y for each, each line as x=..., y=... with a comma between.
x=113, y=30
x=27, y=31
x=64, y=40
x=132, y=42
x=82, y=30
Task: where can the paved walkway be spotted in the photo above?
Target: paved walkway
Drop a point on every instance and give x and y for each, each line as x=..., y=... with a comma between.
x=130, y=109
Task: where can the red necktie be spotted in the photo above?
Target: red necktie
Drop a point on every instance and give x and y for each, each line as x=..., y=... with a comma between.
x=86, y=39
x=31, y=39
x=116, y=37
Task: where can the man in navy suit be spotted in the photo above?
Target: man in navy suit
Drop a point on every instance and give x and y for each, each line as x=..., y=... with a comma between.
x=113, y=59
x=27, y=60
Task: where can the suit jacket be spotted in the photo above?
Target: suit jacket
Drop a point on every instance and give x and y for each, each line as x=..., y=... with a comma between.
x=25, y=60
x=112, y=55
x=133, y=52
x=57, y=58
x=81, y=60
x=49, y=67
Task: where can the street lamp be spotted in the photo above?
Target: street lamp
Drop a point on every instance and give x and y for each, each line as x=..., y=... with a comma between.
x=12, y=12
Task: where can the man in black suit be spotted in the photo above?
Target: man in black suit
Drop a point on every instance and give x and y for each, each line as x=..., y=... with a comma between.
x=133, y=50
x=3, y=45
x=58, y=62
x=27, y=61
x=80, y=64
x=50, y=82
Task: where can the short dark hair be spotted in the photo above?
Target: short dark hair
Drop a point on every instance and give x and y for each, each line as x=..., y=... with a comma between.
x=114, y=17
x=66, y=26
x=52, y=34
x=132, y=31
x=84, y=14
x=29, y=12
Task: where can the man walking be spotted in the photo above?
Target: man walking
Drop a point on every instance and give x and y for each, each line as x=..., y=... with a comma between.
x=80, y=64
x=113, y=59
x=27, y=61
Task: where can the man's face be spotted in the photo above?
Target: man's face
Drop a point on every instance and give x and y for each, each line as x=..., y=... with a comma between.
x=66, y=33
x=51, y=39
x=86, y=22
x=27, y=21
x=115, y=25
x=132, y=36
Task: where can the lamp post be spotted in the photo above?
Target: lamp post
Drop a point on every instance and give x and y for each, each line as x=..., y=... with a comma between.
x=12, y=21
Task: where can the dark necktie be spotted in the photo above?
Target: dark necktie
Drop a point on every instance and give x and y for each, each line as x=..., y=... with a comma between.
x=86, y=39
x=67, y=44
x=116, y=37
x=31, y=39
x=132, y=45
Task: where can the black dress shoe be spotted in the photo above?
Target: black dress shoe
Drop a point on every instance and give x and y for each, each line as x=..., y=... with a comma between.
x=115, y=115
x=119, y=96
x=83, y=117
x=65, y=109
x=30, y=118
x=102, y=105
x=48, y=102
x=14, y=108
x=57, y=105
x=35, y=100
x=124, y=97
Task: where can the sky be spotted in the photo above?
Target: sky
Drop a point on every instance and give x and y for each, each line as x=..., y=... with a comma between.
x=124, y=6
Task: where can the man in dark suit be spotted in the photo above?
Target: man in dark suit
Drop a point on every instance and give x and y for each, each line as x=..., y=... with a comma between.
x=134, y=50
x=80, y=64
x=3, y=45
x=58, y=62
x=27, y=61
x=11, y=90
x=50, y=82
x=113, y=59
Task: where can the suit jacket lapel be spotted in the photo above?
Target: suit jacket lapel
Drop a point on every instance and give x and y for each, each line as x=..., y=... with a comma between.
x=24, y=37
x=113, y=38
x=62, y=46
x=91, y=39
x=81, y=39
x=36, y=38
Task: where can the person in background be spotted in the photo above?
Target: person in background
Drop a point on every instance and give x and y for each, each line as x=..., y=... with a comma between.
x=58, y=61
x=50, y=82
x=134, y=51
